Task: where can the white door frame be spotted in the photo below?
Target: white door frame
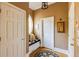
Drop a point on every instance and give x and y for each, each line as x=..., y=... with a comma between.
x=42, y=45
x=71, y=30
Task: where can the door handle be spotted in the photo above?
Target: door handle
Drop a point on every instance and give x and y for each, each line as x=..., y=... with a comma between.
x=72, y=44
x=22, y=38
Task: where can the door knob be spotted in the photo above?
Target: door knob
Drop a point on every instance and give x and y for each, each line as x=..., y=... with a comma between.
x=72, y=44
x=22, y=38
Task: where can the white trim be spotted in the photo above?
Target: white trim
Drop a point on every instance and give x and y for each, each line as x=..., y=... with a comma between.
x=14, y=6
x=61, y=50
x=71, y=30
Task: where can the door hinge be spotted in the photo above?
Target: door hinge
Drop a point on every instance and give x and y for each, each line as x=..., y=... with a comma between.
x=0, y=10
x=0, y=38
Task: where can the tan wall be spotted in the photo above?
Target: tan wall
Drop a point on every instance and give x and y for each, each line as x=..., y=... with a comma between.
x=76, y=18
x=58, y=10
x=24, y=6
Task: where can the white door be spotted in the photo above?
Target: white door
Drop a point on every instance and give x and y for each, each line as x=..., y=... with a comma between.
x=71, y=31
x=13, y=35
x=3, y=43
x=48, y=32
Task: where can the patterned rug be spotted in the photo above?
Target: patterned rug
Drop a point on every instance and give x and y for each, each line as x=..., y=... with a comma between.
x=45, y=53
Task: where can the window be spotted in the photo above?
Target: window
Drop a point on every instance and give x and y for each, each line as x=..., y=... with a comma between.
x=30, y=24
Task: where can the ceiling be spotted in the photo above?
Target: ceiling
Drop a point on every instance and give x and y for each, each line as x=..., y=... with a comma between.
x=37, y=5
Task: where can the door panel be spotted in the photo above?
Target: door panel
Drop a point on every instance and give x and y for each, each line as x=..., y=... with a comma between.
x=3, y=32
x=48, y=30
x=12, y=31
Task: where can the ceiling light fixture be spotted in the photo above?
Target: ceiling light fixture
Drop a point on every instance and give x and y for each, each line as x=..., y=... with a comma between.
x=44, y=5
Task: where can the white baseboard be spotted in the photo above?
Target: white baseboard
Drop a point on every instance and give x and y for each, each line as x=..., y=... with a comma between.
x=61, y=50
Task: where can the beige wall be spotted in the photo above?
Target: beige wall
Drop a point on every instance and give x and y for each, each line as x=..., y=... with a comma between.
x=76, y=18
x=24, y=6
x=58, y=10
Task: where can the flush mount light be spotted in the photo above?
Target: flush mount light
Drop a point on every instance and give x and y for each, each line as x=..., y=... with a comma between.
x=44, y=5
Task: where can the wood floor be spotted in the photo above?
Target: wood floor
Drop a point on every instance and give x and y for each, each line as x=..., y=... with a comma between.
x=43, y=48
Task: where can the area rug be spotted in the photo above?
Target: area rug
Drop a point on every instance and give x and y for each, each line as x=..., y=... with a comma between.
x=44, y=53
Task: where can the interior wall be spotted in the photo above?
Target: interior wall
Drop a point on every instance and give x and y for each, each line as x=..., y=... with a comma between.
x=76, y=21
x=24, y=6
x=58, y=10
